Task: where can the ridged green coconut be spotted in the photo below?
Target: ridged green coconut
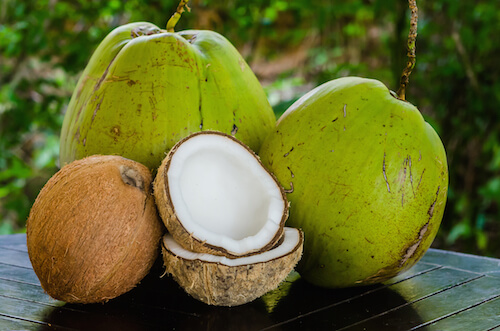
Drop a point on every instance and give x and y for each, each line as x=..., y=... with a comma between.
x=367, y=179
x=145, y=88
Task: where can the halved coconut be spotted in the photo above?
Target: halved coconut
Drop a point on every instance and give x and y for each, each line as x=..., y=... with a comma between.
x=221, y=281
x=215, y=196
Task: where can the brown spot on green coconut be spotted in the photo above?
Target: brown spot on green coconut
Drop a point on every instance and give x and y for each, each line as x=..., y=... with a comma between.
x=291, y=188
x=410, y=251
x=115, y=131
x=77, y=135
x=385, y=175
x=96, y=109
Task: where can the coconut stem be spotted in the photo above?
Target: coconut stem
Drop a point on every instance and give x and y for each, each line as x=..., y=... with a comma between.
x=177, y=15
x=412, y=37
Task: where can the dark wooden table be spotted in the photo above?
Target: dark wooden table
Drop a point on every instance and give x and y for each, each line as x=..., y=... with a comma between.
x=444, y=291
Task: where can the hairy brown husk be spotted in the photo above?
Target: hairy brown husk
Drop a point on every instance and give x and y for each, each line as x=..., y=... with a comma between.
x=222, y=285
x=93, y=232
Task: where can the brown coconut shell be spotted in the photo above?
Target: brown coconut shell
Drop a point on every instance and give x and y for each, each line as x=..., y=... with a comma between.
x=222, y=285
x=93, y=232
x=174, y=225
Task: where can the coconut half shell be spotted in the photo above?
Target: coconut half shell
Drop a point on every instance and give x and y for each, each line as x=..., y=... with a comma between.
x=93, y=232
x=215, y=197
x=220, y=281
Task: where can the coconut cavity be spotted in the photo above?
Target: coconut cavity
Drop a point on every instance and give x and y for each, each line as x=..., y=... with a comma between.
x=93, y=232
x=221, y=281
x=215, y=196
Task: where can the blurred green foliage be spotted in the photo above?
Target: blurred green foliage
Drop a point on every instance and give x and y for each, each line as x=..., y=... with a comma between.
x=292, y=46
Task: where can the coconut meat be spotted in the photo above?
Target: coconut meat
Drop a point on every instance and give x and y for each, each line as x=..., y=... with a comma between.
x=223, y=195
x=291, y=241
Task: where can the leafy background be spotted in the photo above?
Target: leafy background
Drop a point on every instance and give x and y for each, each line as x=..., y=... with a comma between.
x=292, y=46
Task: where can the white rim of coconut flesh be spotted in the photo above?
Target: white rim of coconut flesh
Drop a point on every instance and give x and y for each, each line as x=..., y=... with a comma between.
x=291, y=242
x=223, y=196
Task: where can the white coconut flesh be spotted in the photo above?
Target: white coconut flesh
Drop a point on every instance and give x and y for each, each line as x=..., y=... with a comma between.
x=291, y=242
x=222, y=194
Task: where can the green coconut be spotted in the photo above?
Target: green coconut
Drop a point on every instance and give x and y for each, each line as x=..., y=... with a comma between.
x=144, y=89
x=367, y=180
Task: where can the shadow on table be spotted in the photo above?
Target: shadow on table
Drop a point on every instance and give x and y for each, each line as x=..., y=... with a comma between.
x=160, y=304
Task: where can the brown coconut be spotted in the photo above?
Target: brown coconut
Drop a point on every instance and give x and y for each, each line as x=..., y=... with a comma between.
x=220, y=281
x=93, y=232
x=177, y=227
